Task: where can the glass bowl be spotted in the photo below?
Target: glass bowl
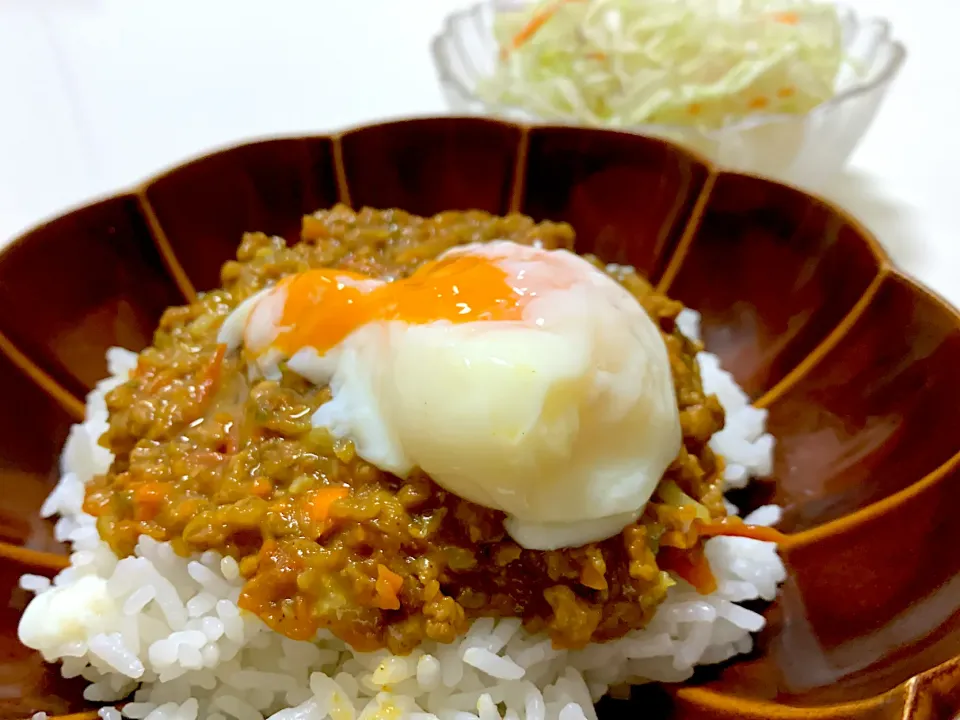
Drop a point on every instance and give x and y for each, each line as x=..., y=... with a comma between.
x=799, y=149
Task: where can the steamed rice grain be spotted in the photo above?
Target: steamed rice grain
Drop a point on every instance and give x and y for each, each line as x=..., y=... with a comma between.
x=168, y=630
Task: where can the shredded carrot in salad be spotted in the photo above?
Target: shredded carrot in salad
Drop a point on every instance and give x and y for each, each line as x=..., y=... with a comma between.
x=634, y=62
x=538, y=20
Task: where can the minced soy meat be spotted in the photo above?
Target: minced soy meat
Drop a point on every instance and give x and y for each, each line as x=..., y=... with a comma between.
x=209, y=460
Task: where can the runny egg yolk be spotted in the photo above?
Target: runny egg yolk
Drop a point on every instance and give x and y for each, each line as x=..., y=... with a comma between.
x=321, y=307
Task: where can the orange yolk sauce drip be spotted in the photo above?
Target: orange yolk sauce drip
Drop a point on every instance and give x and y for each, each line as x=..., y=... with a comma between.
x=321, y=307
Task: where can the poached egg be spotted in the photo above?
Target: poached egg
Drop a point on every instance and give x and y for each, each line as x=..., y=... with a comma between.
x=522, y=379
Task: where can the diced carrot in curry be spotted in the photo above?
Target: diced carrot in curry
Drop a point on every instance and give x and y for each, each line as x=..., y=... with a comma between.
x=149, y=497
x=320, y=501
x=388, y=587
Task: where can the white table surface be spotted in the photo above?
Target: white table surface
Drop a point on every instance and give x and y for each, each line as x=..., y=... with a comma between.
x=97, y=94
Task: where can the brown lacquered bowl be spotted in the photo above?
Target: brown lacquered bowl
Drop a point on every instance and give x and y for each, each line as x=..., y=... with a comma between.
x=858, y=366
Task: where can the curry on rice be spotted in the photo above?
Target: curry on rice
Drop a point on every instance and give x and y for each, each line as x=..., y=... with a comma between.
x=208, y=457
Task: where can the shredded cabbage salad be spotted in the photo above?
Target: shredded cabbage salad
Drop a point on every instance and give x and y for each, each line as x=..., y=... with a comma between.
x=703, y=63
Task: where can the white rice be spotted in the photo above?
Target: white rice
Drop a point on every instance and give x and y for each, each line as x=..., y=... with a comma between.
x=168, y=628
x=743, y=442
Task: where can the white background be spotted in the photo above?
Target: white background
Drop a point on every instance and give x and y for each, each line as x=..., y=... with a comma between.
x=97, y=94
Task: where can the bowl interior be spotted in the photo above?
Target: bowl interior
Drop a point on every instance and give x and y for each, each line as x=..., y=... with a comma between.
x=854, y=362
